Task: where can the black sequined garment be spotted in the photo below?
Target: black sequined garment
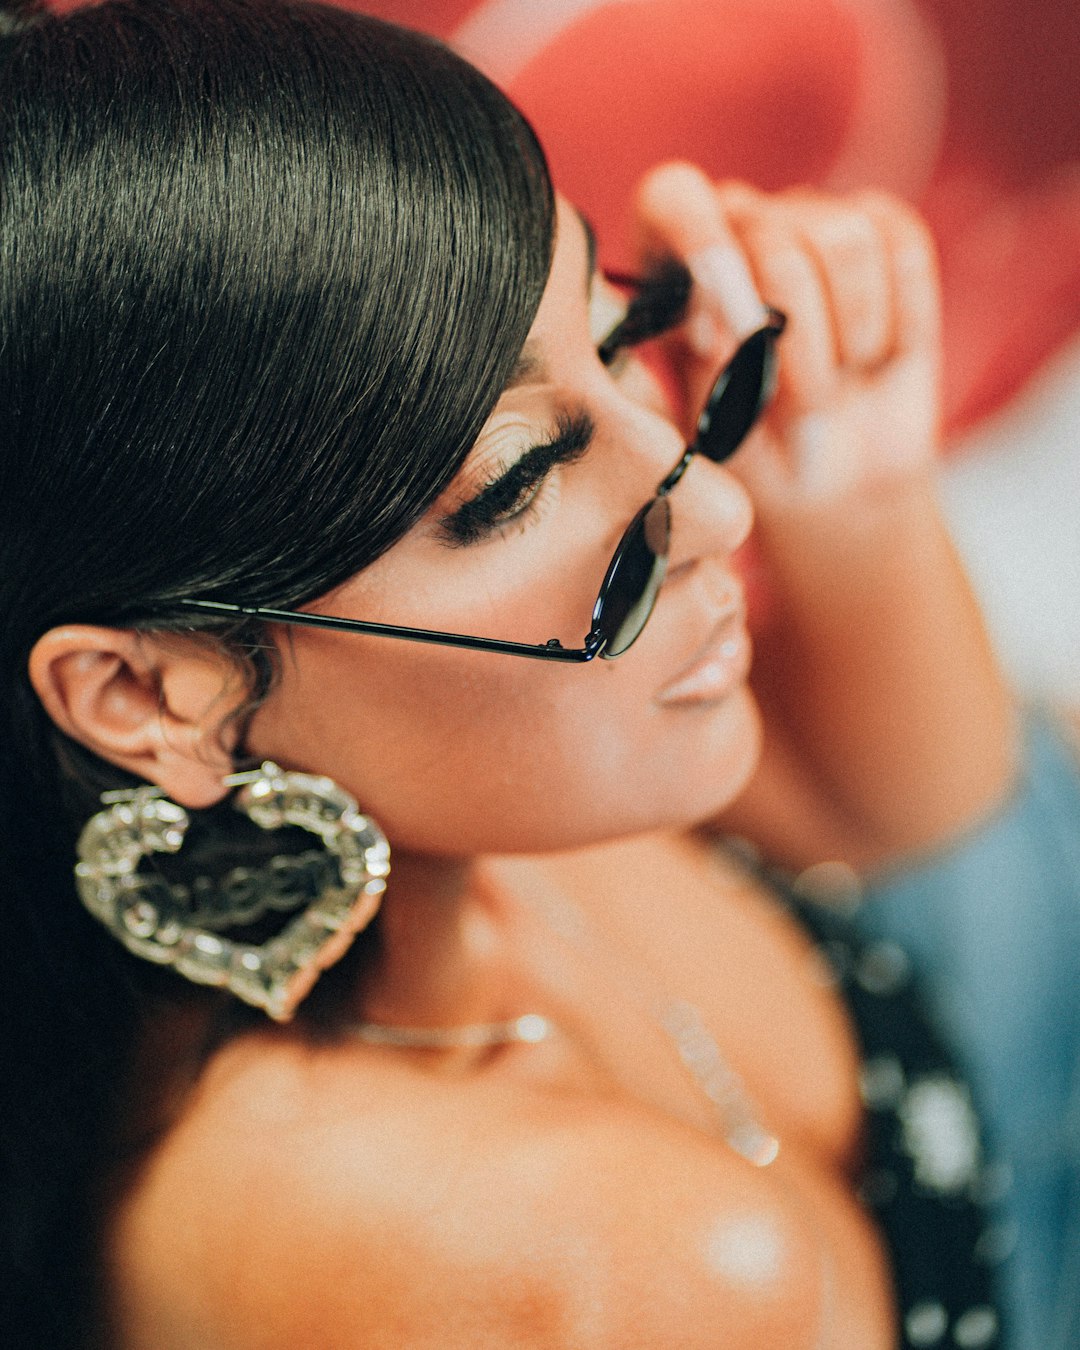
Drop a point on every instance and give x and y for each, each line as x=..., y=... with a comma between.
x=924, y=1176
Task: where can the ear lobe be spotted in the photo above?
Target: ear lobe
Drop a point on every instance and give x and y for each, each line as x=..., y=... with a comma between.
x=157, y=709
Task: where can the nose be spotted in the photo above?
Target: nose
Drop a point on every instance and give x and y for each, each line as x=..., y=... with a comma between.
x=711, y=511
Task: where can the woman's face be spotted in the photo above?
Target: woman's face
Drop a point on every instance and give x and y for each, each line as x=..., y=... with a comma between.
x=457, y=752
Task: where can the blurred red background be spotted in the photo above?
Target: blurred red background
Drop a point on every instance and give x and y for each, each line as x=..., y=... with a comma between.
x=969, y=110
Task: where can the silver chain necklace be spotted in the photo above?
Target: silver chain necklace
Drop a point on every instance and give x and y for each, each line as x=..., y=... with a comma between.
x=680, y=1020
x=528, y=1029
x=683, y=1023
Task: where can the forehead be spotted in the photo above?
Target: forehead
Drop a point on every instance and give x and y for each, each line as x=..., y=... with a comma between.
x=567, y=290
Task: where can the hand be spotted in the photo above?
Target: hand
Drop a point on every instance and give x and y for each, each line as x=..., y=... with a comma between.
x=856, y=404
x=887, y=725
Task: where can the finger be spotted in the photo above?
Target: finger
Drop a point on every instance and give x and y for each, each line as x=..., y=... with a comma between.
x=851, y=255
x=912, y=268
x=784, y=271
x=679, y=212
x=795, y=451
x=916, y=309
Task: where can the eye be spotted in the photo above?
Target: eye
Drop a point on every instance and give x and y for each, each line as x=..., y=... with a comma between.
x=507, y=498
x=655, y=303
x=514, y=491
x=608, y=308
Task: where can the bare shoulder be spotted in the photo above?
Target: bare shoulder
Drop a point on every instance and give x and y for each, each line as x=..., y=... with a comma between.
x=341, y=1199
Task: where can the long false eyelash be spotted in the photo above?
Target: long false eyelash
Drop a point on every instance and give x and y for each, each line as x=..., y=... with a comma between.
x=495, y=504
x=659, y=303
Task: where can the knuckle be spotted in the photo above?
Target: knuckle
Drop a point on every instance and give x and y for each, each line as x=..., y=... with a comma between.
x=848, y=239
x=737, y=195
x=877, y=201
x=781, y=260
x=920, y=244
x=901, y=220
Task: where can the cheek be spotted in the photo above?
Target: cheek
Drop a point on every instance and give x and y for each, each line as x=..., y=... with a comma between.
x=463, y=753
x=449, y=751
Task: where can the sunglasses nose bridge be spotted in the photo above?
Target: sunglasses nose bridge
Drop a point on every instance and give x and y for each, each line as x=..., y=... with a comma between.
x=714, y=515
x=670, y=481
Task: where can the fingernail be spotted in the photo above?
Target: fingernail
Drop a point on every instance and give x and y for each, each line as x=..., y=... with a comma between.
x=724, y=277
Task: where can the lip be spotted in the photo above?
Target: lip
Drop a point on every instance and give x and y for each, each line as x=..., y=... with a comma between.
x=718, y=668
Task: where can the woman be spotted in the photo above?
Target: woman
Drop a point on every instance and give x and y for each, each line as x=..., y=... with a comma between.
x=291, y=323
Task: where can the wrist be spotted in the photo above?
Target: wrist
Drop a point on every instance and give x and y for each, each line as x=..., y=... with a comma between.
x=865, y=532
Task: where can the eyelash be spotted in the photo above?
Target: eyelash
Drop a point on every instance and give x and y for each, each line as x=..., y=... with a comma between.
x=658, y=304
x=513, y=493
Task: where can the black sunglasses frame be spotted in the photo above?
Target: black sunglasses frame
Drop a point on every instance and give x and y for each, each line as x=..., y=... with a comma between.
x=732, y=408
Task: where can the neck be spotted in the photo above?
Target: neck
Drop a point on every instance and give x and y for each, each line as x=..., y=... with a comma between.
x=445, y=945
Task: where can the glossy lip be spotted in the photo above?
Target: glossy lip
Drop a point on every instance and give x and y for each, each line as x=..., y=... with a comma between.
x=719, y=667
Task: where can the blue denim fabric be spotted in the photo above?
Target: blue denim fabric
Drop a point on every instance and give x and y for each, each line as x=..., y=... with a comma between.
x=994, y=926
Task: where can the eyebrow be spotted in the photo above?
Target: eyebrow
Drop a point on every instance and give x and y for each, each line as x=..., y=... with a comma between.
x=529, y=365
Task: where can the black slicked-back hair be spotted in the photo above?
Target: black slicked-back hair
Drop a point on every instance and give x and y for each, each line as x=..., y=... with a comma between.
x=265, y=268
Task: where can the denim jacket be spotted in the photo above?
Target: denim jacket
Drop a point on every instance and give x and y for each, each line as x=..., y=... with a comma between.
x=993, y=925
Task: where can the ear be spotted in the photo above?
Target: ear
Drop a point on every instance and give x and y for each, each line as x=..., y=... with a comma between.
x=155, y=705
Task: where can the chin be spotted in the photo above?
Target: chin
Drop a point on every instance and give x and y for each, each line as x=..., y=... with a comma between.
x=724, y=746
x=697, y=766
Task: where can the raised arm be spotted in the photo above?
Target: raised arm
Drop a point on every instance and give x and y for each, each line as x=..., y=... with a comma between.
x=889, y=727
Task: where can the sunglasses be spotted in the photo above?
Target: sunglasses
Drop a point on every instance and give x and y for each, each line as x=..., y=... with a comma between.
x=628, y=592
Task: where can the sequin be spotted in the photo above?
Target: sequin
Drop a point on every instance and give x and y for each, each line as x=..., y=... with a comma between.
x=883, y=968
x=940, y=1132
x=881, y=1082
x=925, y=1324
x=975, y=1328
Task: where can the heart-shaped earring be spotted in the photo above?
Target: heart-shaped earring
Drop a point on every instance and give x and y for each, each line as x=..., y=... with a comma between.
x=166, y=925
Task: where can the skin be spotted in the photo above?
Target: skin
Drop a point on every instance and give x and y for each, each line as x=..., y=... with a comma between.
x=531, y=755
x=580, y=1193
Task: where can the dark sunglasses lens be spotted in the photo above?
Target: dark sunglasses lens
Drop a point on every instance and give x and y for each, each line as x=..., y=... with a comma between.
x=628, y=594
x=739, y=397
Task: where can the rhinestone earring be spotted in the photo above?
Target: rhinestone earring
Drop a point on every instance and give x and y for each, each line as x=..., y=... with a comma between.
x=176, y=926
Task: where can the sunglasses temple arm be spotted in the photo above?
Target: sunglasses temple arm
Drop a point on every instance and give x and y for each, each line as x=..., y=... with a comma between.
x=551, y=650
